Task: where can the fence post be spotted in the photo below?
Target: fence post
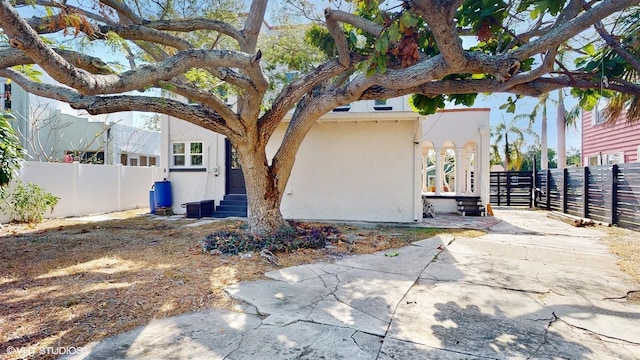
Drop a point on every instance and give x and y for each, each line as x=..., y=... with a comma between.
x=614, y=194
x=508, y=189
x=565, y=189
x=499, y=196
x=585, y=193
x=534, y=186
x=548, y=189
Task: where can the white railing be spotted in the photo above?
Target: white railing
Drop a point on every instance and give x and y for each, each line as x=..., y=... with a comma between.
x=90, y=189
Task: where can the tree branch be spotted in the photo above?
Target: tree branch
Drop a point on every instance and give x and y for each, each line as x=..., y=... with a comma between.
x=211, y=100
x=440, y=19
x=127, y=16
x=64, y=5
x=615, y=44
x=293, y=92
x=357, y=21
x=144, y=33
x=11, y=57
x=561, y=33
x=252, y=26
x=194, y=24
x=534, y=88
x=338, y=37
x=198, y=115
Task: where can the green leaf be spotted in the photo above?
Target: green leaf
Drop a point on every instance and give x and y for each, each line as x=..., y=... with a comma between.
x=407, y=20
x=382, y=44
x=394, y=32
x=590, y=49
x=426, y=105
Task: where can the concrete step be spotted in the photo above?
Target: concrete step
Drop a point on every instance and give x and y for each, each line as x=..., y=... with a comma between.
x=233, y=203
x=236, y=197
x=226, y=214
x=237, y=208
x=472, y=212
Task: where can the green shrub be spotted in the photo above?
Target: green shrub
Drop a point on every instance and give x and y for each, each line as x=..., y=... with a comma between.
x=28, y=202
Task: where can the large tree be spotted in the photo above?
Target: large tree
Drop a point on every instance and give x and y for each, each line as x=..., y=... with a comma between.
x=378, y=51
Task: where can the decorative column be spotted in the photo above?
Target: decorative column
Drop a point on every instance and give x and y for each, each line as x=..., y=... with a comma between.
x=460, y=168
x=483, y=167
x=439, y=170
x=468, y=156
x=425, y=173
x=476, y=173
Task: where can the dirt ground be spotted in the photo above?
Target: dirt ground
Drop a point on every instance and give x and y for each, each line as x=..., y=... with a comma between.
x=67, y=282
x=626, y=245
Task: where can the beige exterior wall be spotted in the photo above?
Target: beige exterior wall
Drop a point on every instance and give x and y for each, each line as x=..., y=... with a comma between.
x=357, y=165
x=190, y=186
x=355, y=170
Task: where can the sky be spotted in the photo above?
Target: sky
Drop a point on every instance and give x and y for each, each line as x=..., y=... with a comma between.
x=526, y=106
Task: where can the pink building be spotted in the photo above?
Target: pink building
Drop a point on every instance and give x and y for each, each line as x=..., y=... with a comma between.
x=604, y=143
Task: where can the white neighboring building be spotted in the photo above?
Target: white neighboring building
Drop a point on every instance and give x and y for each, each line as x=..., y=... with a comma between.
x=362, y=162
x=50, y=129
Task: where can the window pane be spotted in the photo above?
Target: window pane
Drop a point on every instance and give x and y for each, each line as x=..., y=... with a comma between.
x=196, y=148
x=178, y=160
x=143, y=161
x=178, y=148
x=196, y=160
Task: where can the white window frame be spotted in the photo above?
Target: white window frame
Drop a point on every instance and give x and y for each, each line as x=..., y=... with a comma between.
x=615, y=158
x=189, y=156
x=597, y=114
x=597, y=159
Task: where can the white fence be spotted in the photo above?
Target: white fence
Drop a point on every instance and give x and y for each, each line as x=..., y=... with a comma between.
x=90, y=189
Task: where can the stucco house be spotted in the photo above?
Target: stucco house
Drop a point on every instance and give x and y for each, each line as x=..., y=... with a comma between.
x=609, y=143
x=363, y=162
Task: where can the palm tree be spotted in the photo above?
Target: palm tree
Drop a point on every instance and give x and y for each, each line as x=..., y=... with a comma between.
x=622, y=56
x=541, y=107
x=563, y=121
x=512, y=150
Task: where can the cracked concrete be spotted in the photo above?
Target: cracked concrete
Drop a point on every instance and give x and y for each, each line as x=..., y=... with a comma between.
x=532, y=288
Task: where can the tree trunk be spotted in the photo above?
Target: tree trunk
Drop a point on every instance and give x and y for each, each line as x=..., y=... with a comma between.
x=507, y=151
x=262, y=192
x=562, y=126
x=544, y=147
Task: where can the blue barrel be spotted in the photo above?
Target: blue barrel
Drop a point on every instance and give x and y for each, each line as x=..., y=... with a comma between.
x=152, y=201
x=162, y=194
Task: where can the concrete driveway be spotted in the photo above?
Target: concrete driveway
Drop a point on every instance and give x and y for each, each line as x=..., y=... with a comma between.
x=532, y=288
